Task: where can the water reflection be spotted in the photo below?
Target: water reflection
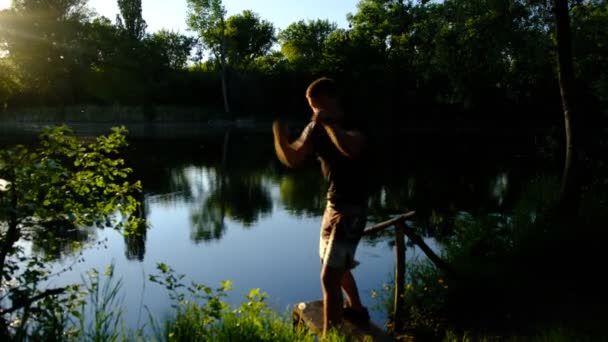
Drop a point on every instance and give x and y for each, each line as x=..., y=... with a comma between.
x=135, y=245
x=53, y=241
x=235, y=176
x=302, y=193
x=243, y=200
x=240, y=195
x=215, y=185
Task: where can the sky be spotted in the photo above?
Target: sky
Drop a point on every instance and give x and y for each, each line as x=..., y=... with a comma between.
x=171, y=14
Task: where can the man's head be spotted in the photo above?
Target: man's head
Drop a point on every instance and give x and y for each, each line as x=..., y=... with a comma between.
x=322, y=95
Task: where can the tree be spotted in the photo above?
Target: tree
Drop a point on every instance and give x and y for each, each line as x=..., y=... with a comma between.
x=590, y=46
x=303, y=42
x=130, y=20
x=207, y=18
x=10, y=81
x=567, y=90
x=248, y=37
x=272, y=63
x=117, y=64
x=380, y=21
x=43, y=39
x=173, y=48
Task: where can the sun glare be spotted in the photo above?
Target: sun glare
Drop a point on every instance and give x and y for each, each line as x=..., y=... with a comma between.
x=5, y=4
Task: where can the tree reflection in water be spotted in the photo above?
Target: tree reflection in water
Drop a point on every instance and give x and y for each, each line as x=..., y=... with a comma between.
x=303, y=192
x=135, y=241
x=235, y=176
x=56, y=240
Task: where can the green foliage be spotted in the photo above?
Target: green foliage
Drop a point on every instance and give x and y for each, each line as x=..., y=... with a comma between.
x=201, y=314
x=10, y=81
x=61, y=185
x=56, y=318
x=173, y=47
x=451, y=62
x=93, y=311
x=207, y=19
x=272, y=64
x=103, y=307
x=247, y=37
x=295, y=192
x=590, y=45
x=42, y=39
x=303, y=43
x=509, y=273
x=237, y=40
x=75, y=175
x=130, y=20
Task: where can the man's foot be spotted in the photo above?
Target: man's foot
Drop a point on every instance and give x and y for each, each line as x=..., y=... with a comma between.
x=357, y=316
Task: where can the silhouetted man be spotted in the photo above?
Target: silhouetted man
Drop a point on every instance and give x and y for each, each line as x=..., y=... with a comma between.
x=340, y=152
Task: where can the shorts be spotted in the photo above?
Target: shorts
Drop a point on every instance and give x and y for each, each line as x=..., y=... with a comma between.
x=341, y=230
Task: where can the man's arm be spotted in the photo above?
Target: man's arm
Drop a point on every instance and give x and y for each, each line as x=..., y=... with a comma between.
x=349, y=143
x=291, y=155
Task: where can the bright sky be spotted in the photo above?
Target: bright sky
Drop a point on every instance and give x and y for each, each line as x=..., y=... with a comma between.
x=171, y=14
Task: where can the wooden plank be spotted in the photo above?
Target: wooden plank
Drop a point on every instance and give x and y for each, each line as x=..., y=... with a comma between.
x=417, y=240
x=310, y=315
x=386, y=224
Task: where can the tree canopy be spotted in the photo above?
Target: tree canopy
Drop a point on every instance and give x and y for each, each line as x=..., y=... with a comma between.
x=248, y=37
x=443, y=62
x=303, y=42
x=130, y=19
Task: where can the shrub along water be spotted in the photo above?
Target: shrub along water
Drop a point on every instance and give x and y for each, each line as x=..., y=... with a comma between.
x=530, y=273
x=53, y=191
x=200, y=314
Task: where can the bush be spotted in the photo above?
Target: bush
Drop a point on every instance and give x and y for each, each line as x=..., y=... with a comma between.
x=55, y=189
x=517, y=274
x=202, y=315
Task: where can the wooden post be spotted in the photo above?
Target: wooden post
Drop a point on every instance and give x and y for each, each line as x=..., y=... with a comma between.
x=399, y=275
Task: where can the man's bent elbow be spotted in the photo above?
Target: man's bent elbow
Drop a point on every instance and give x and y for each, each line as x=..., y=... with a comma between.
x=289, y=162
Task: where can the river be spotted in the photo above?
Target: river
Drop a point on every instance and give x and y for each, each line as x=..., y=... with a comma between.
x=221, y=207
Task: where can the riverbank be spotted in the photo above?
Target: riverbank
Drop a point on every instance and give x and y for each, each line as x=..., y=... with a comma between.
x=189, y=121
x=142, y=122
x=110, y=114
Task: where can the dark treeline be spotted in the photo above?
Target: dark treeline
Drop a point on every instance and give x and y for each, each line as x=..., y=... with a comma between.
x=453, y=62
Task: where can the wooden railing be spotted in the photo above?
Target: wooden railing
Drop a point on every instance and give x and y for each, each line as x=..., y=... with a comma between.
x=401, y=231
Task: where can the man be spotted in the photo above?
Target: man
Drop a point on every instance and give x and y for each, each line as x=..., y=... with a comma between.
x=340, y=152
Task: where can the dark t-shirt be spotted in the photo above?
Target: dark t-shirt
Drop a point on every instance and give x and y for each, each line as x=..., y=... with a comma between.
x=347, y=177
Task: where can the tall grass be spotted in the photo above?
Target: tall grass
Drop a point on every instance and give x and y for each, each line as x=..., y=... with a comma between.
x=201, y=314
x=104, y=308
x=94, y=312
x=252, y=321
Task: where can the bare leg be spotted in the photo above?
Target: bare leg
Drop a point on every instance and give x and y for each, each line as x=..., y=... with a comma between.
x=350, y=288
x=332, y=297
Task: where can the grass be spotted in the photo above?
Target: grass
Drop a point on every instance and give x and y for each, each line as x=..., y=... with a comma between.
x=201, y=314
x=94, y=312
